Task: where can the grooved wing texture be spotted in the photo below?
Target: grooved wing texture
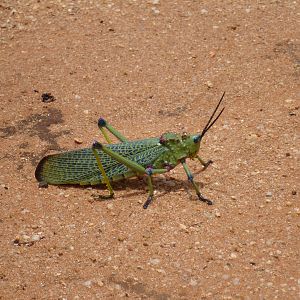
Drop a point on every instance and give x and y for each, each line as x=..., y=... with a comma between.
x=80, y=166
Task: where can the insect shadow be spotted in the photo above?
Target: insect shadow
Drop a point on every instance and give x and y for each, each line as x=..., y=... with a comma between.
x=137, y=186
x=139, y=288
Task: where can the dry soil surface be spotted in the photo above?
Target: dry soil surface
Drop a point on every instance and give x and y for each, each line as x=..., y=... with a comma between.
x=151, y=67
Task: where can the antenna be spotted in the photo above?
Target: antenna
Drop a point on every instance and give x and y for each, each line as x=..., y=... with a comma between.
x=210, y=123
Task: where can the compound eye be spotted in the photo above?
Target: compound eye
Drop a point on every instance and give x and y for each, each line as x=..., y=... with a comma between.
x=197, y=138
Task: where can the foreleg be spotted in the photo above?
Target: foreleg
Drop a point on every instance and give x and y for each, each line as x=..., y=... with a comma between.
x=205, y=164
x=191, y=179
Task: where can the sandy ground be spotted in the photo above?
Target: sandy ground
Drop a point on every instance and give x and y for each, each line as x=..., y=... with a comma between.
x=151, y=67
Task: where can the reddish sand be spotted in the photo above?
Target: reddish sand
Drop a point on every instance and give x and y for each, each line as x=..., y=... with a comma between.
x=151, y=67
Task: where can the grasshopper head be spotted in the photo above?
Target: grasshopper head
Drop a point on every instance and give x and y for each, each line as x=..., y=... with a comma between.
x=197, y=138
x=183, y=146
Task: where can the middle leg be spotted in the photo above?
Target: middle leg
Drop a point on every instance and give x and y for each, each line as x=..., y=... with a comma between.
x=101, y=168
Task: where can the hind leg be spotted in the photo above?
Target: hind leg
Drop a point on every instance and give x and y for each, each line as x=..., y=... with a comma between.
x=103, y=124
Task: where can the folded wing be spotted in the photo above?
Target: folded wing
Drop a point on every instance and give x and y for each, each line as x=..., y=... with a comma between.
x=80, y=166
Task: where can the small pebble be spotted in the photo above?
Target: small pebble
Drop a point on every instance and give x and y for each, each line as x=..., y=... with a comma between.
x=289, y=100
x=212, y=54
x=121, y=238
x=209, y=84
x=100, y=282
x=217, y=214
x=25, y=237
x=35, y=237
x=17, y=240
x=193, y=282
x=253, y=136
x=155, y=10
x=88, y=283
x=110, y=206
x=154, y=261
x=77, y=97
x=78, y=141
x=182, y=226
x=269, y=194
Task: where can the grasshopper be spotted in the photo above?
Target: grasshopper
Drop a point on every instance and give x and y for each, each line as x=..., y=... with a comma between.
x=102, y=164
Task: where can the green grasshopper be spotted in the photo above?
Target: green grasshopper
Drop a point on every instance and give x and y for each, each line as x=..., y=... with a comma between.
x=113, y=162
